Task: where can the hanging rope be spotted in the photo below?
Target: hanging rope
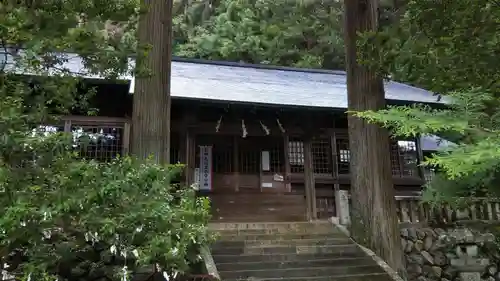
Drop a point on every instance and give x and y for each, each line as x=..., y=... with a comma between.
x=244, y=129
x=219, y=122
x=282, y=129
x=265, y=128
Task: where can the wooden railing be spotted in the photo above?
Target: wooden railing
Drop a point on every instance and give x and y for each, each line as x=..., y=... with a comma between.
x=412, y=211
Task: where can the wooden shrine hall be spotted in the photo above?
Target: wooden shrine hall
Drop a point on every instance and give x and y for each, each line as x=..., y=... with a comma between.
x=265, y=143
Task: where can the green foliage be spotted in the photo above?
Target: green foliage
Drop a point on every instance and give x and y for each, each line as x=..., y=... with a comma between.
x=44, y=28
x=63, y=208
x=449, y=47
x=297, y=33
x=63, y=217
x=442, y=46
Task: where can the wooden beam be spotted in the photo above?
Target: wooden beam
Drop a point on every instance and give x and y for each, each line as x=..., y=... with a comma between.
x=335, y=162
x=286, y=154
x=98, y=120
x=227, y=128
x=190, y=156
x=420, y=157
x=126, y=138
x=236, y=164
x=309, y=183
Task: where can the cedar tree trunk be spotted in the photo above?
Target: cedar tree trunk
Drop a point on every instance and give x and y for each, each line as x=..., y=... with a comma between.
x=373, y=212
x=151, y=111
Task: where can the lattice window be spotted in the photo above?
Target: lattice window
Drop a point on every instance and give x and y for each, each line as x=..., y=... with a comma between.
x=343, y=156
x=321, y=156
x=275, y=148
x=249, y=156
x=396, y=169
x=404, y=158
x=296, y=156
x=101, y=143
x=222, y=153
x=408, y=157
x=46, y=130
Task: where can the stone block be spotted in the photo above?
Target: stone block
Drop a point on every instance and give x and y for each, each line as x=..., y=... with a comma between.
x=472, y=250
x=419, y=245
x=427, y=257
x=428, y=241
x=342, y=206
x=412, y=234
x=469, y=276
x=409, y=247
x=440, y=258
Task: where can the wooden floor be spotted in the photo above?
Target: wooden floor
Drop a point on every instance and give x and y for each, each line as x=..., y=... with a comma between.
x=256, y=207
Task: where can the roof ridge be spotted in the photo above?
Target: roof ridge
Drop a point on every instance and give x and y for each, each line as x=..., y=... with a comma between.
x=256, y=66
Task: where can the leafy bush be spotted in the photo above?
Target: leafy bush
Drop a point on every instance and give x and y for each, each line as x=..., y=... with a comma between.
x=66, y=218
x=75, y=219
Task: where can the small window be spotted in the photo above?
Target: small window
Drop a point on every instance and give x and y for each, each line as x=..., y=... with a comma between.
x=404, y=158
x=296, y=156
x=322, y=156
x=296, y=153
x=101, y=143
x=344, y=156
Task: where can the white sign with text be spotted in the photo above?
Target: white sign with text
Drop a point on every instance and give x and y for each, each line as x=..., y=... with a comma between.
x=205, y=168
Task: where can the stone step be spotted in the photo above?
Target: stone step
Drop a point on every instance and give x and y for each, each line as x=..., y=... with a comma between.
x=285, y=257
x=286, y=249
x=281, y=236
x=309, y=263
x=282, y=242
x=352, y=277
x=327, y=229
x=301, y=272
x=271, y=225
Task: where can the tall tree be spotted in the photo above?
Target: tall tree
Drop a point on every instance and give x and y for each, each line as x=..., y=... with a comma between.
x=435, y=46
x=302, y=34
x=374, y=220
x=151, y=111
x=92, y=215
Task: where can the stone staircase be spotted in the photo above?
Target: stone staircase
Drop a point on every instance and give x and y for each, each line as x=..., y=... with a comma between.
x=315, y=251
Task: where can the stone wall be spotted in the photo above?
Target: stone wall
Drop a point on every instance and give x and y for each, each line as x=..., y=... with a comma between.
x=449, y=255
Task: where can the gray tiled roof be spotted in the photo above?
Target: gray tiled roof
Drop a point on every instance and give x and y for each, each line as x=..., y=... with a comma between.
x=434, y=143
x=254, y=84
x=274, y=86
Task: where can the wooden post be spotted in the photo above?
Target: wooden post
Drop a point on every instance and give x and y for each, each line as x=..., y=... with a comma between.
x=236, y=162
x=286, y=151
x=309, y=180
x=341, y=196
x=189, y=157
x=126, y=138
x=183, y=154
x=420, y=157
x=335, y=162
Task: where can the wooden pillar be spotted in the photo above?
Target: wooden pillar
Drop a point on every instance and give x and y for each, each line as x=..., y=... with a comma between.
x=236, y=164
x=190, y=154
x=341, y=196
x=309, y=182
x=183, y=147
x=335, y=158
x=126, y=137
x=188, y=149
x=286, y=154
x=420, y=157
